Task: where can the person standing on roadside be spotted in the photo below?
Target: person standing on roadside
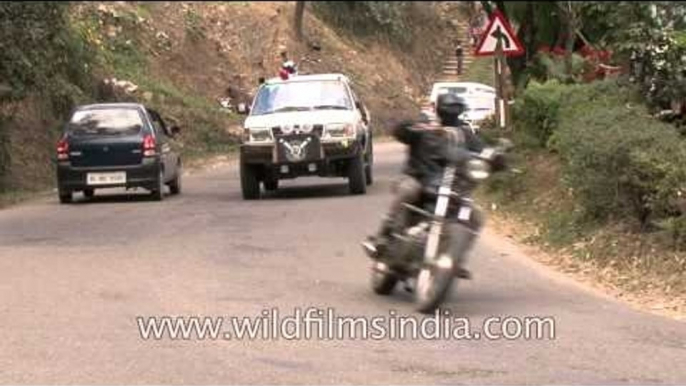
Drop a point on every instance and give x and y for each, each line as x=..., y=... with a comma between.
x=459, y=54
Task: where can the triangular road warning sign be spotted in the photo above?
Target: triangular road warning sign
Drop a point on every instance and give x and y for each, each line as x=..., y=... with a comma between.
x=499, y=27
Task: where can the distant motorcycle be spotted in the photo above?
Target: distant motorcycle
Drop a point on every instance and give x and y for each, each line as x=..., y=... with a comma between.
x=420, y=253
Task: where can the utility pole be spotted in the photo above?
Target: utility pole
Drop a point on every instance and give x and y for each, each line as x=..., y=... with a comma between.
x=501, y=100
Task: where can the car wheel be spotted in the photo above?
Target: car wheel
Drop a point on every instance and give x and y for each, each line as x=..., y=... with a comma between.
x=157, y=194
x=370, y=165
x=65, y=197
x=250, y=184
x=89, y=193
x=357, y=181
x=175, y=185
x=271, y=185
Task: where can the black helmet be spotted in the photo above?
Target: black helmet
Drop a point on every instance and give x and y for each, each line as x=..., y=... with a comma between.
x=449, y=107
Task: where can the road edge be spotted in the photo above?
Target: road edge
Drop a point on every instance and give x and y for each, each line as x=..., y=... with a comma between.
x=500, y=232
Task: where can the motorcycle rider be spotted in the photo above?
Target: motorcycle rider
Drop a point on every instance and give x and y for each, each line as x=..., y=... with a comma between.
x=428, y=141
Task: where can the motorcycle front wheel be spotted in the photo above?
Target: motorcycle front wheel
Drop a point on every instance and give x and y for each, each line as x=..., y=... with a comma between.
x=383, y=281
x=433, y=285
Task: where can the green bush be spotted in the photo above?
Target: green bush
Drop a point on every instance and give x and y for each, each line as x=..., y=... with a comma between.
x=538, y=110
x=38, y=46
x=618, y=160
x=4, y=152
x=676, y=230
x=41, y=54
x=543, y=106
x=371, y=18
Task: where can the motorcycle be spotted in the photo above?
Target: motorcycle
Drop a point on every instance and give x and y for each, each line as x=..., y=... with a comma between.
x=420, y=253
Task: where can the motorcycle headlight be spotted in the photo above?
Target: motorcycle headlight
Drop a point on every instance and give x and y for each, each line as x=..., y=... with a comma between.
x=339, y=130
x=478, y=169
x=259, y=135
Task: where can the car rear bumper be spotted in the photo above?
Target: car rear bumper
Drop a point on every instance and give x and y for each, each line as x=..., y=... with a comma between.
x=144, y=175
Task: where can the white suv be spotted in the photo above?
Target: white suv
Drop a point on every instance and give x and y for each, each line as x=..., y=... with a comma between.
x=308, y=125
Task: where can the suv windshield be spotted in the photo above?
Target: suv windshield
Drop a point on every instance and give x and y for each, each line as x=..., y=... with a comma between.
x=105, y=122
x=453, y=90
x=302, y=96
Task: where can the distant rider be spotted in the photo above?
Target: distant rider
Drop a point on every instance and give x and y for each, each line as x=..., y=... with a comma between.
x=287, y=65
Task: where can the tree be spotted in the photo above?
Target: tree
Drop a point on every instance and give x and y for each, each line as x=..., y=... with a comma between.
x=570, y=14
x=651, y=37
x=299, y=14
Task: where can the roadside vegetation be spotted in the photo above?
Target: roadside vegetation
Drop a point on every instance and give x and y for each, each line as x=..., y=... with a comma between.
x=181, y=58
x=601, y=154
x=56, y=56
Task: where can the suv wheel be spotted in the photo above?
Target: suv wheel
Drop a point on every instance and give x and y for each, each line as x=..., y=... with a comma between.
x=370, y=164
x=357, y=180
x=250, y=184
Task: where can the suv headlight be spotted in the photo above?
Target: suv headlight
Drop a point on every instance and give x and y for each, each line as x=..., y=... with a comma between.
x=339, y=130
x=258, y=135
x=478, y=169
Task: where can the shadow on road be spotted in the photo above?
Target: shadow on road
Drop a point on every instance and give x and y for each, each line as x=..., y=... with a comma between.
x=116, y=198
x=460, y=303
x=308, y=191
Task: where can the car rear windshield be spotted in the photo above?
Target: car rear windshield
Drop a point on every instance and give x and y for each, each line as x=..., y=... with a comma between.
x=302, y=96
x=105, y=122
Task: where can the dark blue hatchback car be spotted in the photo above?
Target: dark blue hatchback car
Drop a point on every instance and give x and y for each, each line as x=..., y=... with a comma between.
x=117, y=145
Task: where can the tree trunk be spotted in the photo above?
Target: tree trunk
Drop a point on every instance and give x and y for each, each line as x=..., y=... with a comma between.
x=570, y=38
x=299, y=13
x=527, y=35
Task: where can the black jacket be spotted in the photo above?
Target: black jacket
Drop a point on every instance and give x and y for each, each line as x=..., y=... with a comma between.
x=429, y=152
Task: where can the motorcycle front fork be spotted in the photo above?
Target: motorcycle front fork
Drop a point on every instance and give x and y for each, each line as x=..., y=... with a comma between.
x=462, y=239
x=453, y=240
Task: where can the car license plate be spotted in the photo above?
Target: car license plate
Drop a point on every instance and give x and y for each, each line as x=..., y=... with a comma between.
x=106, y=178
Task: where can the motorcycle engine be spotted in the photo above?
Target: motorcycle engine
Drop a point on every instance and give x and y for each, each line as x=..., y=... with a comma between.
x=418, y=231
x=415, y=240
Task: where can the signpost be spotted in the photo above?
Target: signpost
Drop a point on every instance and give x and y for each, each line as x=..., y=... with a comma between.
x=499, y=41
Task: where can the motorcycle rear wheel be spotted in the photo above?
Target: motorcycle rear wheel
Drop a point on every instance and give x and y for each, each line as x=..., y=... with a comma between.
x=434, y=284
x=383, y=281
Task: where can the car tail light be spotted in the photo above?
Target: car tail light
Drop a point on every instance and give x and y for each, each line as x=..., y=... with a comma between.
x=149, y=146
x=63, y=149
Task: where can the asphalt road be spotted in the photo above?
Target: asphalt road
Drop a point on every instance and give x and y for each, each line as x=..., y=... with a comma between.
x=73, y=279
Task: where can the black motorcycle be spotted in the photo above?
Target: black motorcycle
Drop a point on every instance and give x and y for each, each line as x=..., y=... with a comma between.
x=419, y=255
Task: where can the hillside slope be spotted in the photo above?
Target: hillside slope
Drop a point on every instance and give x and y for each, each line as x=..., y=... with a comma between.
x=181, y=57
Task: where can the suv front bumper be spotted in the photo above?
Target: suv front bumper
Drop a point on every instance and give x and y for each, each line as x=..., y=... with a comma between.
x=331, y=150
x=333, y=154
